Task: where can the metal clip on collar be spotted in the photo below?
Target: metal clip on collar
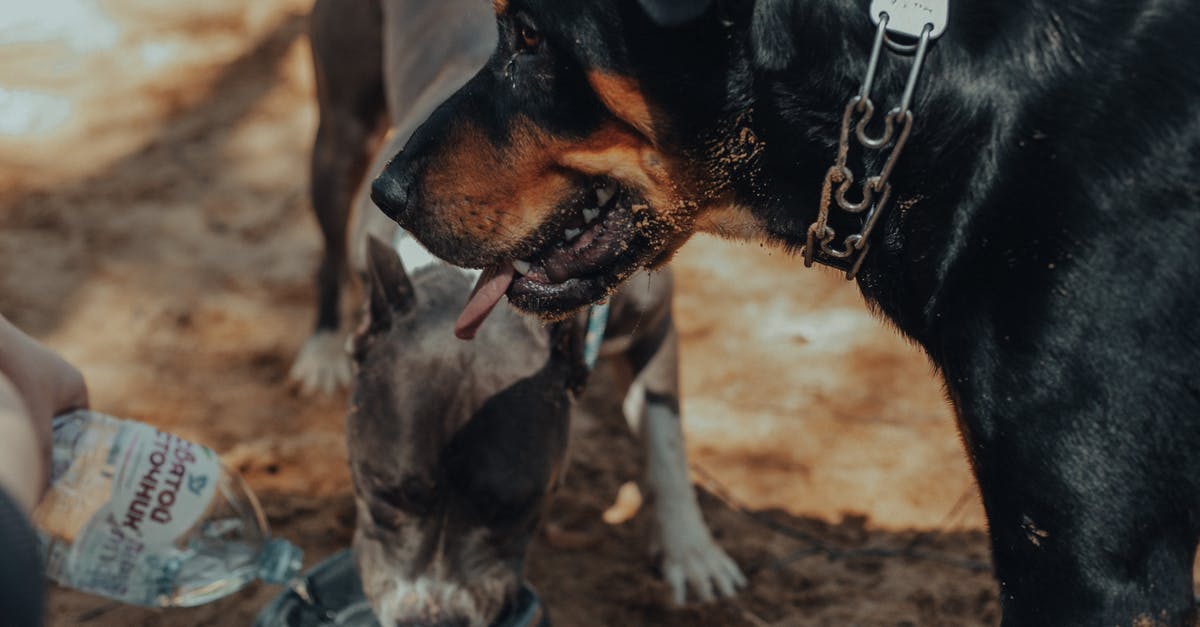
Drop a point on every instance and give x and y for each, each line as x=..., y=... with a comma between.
x=924, y=21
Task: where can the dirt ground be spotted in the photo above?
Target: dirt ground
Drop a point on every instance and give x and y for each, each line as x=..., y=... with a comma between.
x=154, y=227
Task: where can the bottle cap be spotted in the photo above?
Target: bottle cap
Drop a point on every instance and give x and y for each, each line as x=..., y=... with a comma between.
x=279, y=561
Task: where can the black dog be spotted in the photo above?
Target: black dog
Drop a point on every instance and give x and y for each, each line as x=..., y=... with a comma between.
x=1041, y=246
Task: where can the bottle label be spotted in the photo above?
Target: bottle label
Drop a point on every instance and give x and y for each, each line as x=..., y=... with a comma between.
x=161, y=487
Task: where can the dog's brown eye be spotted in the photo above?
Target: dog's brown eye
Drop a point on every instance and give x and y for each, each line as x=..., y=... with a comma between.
x=528, y=38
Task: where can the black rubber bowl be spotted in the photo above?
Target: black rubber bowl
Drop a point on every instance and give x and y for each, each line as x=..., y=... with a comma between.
x=330, y=595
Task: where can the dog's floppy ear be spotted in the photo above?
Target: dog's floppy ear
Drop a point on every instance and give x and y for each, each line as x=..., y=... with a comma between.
x=391, y=292
x=674, y=12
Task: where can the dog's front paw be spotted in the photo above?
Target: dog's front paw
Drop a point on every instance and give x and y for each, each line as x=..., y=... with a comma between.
x=323, y=366
x=692, y=559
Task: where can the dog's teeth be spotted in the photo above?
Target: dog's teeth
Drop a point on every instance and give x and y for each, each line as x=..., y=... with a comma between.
x=522, y=267
x=605, y=194
x=572, y=233
x=590, y=215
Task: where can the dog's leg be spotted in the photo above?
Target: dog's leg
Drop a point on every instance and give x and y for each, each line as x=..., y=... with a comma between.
x=1080, y=531
x=1112, y=561
x=348, y=58
x=690, y=557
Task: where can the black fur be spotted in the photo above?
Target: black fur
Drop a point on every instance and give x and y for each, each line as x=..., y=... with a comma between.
x=674, y=12
x=1042, y=246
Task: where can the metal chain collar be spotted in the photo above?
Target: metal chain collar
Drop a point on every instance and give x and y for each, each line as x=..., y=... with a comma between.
x=930, y=17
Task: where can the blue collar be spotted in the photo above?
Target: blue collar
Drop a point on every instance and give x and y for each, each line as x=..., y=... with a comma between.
x=597, y=323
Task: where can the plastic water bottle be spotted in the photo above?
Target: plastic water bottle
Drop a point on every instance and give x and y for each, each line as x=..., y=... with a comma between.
x=144, y=517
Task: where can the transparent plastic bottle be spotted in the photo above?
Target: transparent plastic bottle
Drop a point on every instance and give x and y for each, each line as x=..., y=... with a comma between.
x=144, y=517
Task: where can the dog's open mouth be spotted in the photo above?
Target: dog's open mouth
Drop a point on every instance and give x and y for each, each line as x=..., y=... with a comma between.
x=590, y=247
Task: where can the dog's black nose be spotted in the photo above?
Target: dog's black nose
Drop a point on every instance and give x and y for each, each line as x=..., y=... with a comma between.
x=391, y=192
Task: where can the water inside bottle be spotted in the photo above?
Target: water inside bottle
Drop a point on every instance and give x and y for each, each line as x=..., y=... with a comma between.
x=144, y=517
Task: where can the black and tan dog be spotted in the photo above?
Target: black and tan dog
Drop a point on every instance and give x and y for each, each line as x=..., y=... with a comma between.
x=1041, y=246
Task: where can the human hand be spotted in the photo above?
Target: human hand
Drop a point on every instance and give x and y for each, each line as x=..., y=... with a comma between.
x=46, y=384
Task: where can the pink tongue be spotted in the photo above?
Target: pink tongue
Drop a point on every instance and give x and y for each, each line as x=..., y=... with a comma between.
x=493, y=283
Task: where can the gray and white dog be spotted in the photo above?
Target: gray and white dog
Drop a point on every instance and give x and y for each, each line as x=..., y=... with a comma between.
x=455, y=446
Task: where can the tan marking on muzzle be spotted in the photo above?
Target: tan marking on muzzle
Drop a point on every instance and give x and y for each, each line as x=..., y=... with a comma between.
x=622, y=96
x=628, y=158
x=500, y=6
x=492, y=193
x=638, y=166
x=493, y=196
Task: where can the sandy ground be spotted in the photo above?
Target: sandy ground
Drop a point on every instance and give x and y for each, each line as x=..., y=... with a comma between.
x=154, y=227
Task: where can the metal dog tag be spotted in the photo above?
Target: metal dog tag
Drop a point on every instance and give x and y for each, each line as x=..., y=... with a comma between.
x=909, y=17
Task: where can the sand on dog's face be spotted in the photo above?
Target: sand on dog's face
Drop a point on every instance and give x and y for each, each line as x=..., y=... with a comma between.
x=161, y=238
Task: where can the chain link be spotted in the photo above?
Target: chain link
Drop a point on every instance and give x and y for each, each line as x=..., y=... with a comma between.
x=876, y=190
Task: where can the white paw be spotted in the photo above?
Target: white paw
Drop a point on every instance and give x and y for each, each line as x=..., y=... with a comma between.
x=691, y=559
x=323, y=366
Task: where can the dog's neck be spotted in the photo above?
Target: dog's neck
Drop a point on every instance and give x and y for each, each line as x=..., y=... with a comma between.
x=809, y=57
